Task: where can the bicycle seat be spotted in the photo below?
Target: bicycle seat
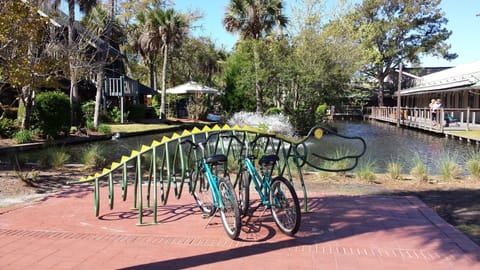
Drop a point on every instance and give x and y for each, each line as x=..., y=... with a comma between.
x=267, y=159
x=215, y=159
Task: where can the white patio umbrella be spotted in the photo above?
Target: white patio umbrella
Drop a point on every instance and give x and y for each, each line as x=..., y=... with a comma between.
x=192, y=87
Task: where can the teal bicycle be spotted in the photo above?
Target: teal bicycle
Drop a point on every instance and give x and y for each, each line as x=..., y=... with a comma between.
x=277, y=193
x=213, y=192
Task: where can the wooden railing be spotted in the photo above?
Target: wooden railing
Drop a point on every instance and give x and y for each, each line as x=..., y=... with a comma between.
x=446, y=118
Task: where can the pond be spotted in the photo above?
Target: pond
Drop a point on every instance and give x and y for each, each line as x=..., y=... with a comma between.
x=385, y=143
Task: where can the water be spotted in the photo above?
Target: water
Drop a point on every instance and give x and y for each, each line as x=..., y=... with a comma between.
x=385, y=143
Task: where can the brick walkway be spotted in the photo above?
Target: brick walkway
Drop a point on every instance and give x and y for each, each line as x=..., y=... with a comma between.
x=340, y=232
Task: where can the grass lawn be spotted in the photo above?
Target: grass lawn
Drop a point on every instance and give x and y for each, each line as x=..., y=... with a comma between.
x=128, y=128
x=472, y=134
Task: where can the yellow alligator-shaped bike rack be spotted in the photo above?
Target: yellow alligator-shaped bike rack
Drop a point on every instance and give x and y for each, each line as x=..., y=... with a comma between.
x=166, y=164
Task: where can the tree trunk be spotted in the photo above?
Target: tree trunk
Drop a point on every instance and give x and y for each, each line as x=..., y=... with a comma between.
x=164, y=78
x=380, y=90
x=98, y=97
x=26, y=100
x=71, y=59
x=258, y=86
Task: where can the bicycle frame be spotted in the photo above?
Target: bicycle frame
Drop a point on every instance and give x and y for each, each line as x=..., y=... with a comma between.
x=262, y=184
x=212, y=180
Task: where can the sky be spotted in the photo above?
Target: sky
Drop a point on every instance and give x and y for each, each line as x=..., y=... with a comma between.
x=461, y=15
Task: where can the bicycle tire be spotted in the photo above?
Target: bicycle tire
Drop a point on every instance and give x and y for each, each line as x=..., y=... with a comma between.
x=202, y=194
x=285, y=206
x=230, y=213
x=244, y=191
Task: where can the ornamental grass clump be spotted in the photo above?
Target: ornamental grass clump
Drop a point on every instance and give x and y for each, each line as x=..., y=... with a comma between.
x=473, y=165
x=394, y=169
x=95, y=156
x=419, y=169
x=366, y=170
x=449, y=167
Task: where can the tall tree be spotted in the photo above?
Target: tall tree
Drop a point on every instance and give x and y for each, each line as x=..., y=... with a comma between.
x=101, y=23
x=255, y=19
x=27, y=60
x=391, y=32
x=173, y=29
x=158, y=31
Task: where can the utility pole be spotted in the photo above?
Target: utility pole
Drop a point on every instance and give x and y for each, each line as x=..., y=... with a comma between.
x=399, y=100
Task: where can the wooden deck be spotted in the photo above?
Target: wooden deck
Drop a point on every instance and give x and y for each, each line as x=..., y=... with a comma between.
x=421, y=118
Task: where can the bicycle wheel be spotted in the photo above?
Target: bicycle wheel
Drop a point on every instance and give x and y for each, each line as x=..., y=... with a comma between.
x=202, y=193
x=230, y=213
x=244, y=191
x=285, y=207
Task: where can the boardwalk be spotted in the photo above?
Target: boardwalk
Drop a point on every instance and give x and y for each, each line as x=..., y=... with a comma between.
x=420, y=118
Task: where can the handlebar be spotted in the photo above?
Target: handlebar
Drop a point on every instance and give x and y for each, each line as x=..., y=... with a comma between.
x=199, y=144
x=247, y=143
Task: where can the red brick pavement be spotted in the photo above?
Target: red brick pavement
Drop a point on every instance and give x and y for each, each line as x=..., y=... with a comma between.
x=341, y=232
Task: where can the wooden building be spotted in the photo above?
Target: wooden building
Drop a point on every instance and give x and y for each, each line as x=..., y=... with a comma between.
x=457, y=87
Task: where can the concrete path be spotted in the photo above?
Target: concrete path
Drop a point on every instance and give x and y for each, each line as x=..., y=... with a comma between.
x=341, y=232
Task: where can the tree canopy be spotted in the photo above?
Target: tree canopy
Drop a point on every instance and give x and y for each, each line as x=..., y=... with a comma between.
x=390, y=32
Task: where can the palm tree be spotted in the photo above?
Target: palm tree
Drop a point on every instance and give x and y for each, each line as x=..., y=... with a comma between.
x=146, y=40
x=173, y=29
x=158, y=31
x=255, y=19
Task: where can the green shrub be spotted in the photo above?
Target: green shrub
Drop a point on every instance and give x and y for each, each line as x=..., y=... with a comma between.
x=8, y=128
x=23, y=136
x=89, y=125
x=116, y=115
x=105, y=129
x=136, y=112
x=88, y=110
x=52, y=114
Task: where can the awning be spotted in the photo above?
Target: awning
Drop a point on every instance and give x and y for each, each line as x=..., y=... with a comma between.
x=192, y=88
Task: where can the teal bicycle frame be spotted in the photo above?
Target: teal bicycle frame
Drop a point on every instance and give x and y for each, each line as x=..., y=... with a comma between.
x=262, y=184
x=218, y=193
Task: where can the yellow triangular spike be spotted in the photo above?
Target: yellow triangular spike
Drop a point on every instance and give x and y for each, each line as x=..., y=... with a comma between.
x=206, y=128
x=97, y=175
x=226, y=126
x=134, y=153
x=245, y=128
x=83, y=178
x=105, y=170
x=196, y=130
x=114, y=165
x=186, y=132
x=165, y=139
x=90, y=177
x=124, y=158
x=145, y=148
x=155, y=143
x=216, y=127
x=175, y=135
x=236, y=127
